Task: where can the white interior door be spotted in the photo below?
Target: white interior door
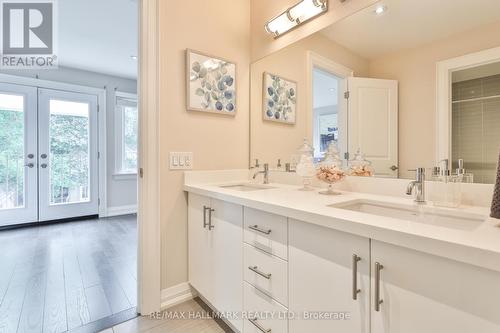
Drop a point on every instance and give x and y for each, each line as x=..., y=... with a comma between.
x=68, y=166
x=18, y=154
x=373, y=122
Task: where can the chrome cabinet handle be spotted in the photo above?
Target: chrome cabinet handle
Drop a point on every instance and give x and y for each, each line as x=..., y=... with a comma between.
x=256, y=228
x=205, y=208
x=29, y=165
x=355, y=290
x=210, y=211
x=393, y=167
x=256, y=270
x=43, y=156
x=378, y=301
x=259, y=327
x=31, y=156
x=43, y=165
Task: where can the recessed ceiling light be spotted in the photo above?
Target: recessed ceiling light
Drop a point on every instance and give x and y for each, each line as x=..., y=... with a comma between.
x=380, y=10
x=332, y=89
x=133, y=57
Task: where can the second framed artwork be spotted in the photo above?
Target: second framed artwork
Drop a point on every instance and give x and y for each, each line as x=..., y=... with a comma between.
x=211, y=84
x=279, y=99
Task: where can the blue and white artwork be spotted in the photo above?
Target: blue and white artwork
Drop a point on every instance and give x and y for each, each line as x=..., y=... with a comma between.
x=211, y=84
x=280, y=99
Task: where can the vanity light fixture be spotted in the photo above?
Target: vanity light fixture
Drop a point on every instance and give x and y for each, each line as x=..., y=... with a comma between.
x=295, y=16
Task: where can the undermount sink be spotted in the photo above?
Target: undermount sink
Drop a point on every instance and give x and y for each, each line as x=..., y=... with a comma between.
x=426, y=214
x=246, y=187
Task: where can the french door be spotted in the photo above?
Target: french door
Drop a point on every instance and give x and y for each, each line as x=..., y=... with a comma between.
x=48, y=154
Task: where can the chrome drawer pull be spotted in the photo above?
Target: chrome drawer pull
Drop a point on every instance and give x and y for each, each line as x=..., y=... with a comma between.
x=378, y=301
x=256, y=324
x=255, y=269
x=205, y=223
x=355, y=290
x=256, y=228
x=210, y=211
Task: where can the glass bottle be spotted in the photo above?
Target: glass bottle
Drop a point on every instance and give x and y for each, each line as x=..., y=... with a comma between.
x=305, y=168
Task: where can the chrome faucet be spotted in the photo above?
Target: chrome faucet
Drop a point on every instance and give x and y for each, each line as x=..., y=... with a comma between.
x=418, y=185
x=265, y=172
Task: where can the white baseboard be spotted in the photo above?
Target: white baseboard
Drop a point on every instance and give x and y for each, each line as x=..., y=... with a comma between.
x=121, y=210
x=176, y=295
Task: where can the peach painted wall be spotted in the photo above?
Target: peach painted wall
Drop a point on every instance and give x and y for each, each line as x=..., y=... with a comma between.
x=272, y=140
x=262, y=10
x=415, y=70
x=218, y=27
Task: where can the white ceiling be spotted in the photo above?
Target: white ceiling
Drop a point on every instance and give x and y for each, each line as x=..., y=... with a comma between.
x=410, y=23
x=323, y=84
x=99, y=36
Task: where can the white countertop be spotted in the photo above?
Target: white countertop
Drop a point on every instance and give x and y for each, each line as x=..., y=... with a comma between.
x=478, y=244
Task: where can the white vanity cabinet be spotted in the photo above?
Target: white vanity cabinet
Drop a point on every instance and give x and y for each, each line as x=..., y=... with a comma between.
x=215, y=231
x=329, y=272
x=244, y=259
x=426, y=293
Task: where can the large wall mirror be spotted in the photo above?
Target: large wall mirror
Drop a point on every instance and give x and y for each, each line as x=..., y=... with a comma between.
x=408, y=83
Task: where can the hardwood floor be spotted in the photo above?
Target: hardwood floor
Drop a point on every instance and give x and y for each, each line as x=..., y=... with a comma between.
x=59, y=277
x=196, y=308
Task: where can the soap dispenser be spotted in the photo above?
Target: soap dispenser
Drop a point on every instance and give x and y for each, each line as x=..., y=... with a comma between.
x=447, y=188
x=467, y=177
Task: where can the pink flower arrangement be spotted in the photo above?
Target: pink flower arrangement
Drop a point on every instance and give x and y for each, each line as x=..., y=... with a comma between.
x=330, y=174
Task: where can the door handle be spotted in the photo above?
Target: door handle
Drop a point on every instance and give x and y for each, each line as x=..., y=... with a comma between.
x=29, y=165
x=355, y=290
x=43, y=165
x=394, y=167
x=378, y=301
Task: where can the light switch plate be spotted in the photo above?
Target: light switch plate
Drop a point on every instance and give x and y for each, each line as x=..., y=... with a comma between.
x=181, y=160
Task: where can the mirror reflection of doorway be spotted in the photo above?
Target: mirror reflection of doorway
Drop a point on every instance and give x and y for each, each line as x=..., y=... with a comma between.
x=326, y=95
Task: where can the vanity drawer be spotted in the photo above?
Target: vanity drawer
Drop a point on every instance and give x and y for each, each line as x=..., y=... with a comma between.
x=261, y=307
x=268, y=232
x=266, y=272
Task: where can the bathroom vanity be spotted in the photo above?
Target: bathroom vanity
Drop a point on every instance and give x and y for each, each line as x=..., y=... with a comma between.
x=407, y=100
x=295, y=261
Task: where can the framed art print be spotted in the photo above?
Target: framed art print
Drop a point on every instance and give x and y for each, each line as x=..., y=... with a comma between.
x=279, y=99
x=211, y=84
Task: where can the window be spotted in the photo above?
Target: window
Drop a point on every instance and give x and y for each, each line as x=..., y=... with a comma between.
x=126, y=133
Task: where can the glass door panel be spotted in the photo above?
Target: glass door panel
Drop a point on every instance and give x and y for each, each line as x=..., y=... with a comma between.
x=18, y=183
x=69, y=137
x=68, y=154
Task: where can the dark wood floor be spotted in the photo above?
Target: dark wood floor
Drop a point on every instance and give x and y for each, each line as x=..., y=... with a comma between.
x=58, y=277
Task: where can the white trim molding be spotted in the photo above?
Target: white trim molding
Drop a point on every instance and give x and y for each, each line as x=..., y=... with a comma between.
x=122, y=210
x=444, y=70
x=148, y=215
x=176, y=295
